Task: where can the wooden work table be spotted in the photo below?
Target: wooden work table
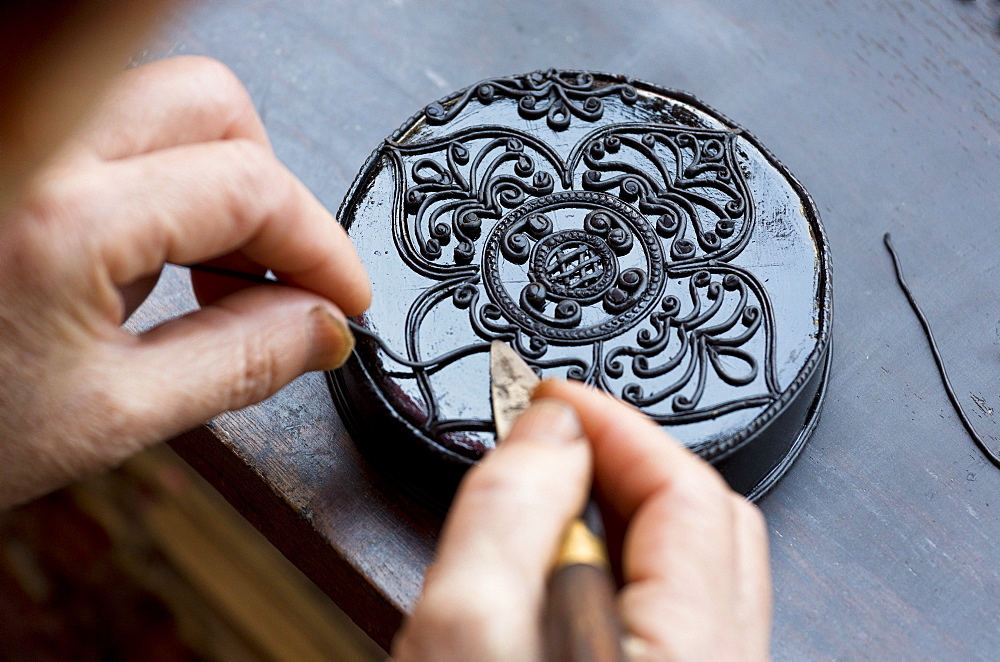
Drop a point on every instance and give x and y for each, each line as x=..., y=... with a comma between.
x=885, y=534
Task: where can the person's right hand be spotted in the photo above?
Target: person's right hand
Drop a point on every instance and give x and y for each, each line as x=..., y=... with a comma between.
x=694, y=553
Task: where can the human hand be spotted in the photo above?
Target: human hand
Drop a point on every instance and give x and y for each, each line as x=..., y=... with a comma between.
x=693, y=553
x=175, y=166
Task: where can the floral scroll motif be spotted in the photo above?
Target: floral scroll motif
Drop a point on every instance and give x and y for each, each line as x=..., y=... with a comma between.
x=458, y=183
x=687, y=181
x=555, y=95
x=697, y=337
x=610, y=262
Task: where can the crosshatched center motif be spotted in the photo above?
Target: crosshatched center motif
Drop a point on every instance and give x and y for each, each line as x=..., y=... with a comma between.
x=573, y=266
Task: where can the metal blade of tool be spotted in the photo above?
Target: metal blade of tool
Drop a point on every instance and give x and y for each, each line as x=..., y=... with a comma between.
x=511, y=383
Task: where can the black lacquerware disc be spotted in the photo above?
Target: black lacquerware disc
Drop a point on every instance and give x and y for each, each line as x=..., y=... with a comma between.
x=611, y=231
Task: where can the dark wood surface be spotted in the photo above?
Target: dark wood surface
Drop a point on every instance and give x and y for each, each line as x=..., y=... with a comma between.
x=885, y=537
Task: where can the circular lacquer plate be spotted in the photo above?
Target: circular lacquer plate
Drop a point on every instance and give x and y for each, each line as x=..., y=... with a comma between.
x=611, y=231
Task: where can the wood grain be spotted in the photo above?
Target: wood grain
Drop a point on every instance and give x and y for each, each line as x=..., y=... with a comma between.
x=884, y=534
x=581, y=624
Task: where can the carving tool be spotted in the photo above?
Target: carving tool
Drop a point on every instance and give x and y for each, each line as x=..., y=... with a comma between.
x=581, y=619
x=356, y=329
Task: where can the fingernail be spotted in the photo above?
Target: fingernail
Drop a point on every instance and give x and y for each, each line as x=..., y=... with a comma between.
x=549, y=421
x=333, y=341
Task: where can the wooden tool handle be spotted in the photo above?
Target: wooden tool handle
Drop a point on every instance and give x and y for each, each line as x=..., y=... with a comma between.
x=581, y=618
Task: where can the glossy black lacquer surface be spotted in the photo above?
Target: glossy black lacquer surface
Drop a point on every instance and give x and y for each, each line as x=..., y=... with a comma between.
x=613, y=232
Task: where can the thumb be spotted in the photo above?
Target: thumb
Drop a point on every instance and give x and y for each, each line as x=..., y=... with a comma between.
x=233, y=353
x=483, y=597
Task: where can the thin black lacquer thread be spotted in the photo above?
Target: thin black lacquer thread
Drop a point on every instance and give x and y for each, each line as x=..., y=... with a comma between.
x=354, y=326
x=239, y=275
x=949, y=389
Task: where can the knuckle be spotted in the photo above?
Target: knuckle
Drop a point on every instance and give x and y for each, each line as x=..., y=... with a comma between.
x=473, y=609
x=492, y=483
x=261, y=172
x=228, y=95
x=256, y=374
x=261, y=187
x=482, y=483
x=38, y=233
x=256, y=163
x=205, y=66
x=25, y=247
x=51, y=202
x=211, y=75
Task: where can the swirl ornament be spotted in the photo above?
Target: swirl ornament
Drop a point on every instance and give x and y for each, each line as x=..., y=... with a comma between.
x=555, y=95
x=612, y=232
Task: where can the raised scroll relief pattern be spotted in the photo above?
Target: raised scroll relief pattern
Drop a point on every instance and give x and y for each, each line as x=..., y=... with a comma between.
x=609, y=262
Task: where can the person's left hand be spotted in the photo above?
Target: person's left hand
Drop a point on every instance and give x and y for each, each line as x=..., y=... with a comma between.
x=175, y=166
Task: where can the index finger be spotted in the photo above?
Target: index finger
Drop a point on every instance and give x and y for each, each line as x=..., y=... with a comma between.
x=198, y=202
x=178, y=101
x=633, y=457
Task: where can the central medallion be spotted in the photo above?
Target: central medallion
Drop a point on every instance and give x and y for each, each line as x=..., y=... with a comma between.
x=574, y=266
